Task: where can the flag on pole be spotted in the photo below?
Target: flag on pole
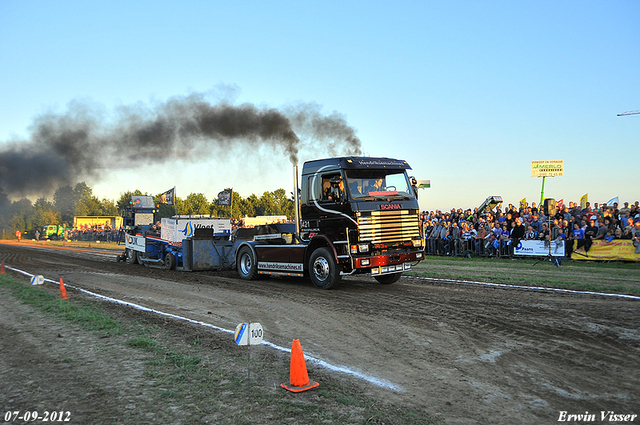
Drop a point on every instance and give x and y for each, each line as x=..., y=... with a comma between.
x=168, y=197
x=560, y=204
x=583, y=201
x=523, y=203
x=612, y=201
x=224, y=197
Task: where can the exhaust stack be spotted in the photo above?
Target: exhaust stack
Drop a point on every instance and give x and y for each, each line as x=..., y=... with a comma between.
x=296, y=200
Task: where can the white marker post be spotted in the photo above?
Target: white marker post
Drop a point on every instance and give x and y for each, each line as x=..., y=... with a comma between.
x=37, y=280
x=248, y=334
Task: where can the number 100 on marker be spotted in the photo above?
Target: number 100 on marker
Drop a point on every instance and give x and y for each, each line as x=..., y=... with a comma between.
x=248, y=334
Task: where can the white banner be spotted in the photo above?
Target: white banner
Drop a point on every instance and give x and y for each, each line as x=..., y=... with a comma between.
x=537, y=248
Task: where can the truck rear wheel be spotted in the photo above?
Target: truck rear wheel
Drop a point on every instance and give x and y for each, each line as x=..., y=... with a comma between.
x=246, y=264
x=323, y=270
x=169, y=261
x=387, y=279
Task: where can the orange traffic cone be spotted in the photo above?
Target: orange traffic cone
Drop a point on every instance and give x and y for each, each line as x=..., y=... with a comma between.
x=63, y=291
x=299, y=380
x=2, y=268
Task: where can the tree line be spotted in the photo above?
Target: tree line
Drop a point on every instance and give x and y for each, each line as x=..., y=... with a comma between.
x=69, y=202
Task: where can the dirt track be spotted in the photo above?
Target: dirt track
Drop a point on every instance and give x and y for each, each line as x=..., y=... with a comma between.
x=468, y=354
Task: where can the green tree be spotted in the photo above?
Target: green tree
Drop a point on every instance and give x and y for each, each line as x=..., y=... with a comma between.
x=284, y=205
x=236, y=205
x=108, y=207
x=44, y=213
x=19, y=216
x=125, y=200
x=267, y=204
x=180, y=206
x=196, y=203
x=65, y=200
x=86, y=204
x=248, y=206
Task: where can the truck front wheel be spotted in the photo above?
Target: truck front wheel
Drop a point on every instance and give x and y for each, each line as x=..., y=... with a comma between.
x=247, y=267
x=386, y=279
x=323, y=270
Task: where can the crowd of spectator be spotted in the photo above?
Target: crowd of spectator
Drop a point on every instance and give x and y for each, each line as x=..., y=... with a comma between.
x=497, y=233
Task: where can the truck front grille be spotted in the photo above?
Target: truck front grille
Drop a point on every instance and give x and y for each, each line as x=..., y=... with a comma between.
x=388, y=226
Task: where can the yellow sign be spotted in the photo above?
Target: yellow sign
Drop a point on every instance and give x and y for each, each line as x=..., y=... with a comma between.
x=583, y=201
x=547, y=168
x=617, y=249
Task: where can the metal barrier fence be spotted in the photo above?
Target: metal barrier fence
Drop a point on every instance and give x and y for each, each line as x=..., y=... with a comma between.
x=468, y=247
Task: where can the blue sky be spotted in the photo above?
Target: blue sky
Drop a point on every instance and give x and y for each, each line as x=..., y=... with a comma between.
x=468, y=92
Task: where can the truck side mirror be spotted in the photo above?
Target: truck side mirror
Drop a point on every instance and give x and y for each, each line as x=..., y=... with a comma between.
x=414, y=185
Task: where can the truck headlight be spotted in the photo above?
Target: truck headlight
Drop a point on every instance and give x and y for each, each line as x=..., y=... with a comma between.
x=417, y=242
x=363, y=247
x=365, y=262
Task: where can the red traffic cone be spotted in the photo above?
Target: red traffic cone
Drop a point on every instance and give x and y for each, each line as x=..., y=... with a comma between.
x=63, y=291
x=299, y=379
x=2, y=268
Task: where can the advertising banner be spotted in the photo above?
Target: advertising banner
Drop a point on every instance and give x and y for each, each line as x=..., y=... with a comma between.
x=617, y=249
x=174, y=230
x=537, y=248
x=547, y=168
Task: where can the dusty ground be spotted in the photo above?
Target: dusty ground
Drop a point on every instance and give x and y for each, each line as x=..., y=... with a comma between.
x=464, y=353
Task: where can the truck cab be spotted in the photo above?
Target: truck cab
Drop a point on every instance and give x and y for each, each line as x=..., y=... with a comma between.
x=366, y=210
x=53, y=232
x=357, y=215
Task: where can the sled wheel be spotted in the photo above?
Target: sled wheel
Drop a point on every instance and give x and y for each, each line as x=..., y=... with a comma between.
x=169, y=261
x=132, y=256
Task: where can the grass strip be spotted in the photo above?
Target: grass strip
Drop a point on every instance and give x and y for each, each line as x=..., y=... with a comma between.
x=79, y=312
x=613, y=277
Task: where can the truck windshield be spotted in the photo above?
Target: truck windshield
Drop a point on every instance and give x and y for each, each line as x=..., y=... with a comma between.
x=378, y=183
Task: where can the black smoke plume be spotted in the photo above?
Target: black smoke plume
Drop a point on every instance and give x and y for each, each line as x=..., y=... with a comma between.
x=66, y=148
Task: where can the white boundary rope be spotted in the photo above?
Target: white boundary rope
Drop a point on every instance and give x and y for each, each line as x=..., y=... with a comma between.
x=341, y=369
x=531, y=288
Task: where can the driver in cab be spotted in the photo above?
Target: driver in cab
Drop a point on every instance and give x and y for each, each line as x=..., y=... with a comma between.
x=378, y=185
x=338, y=194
